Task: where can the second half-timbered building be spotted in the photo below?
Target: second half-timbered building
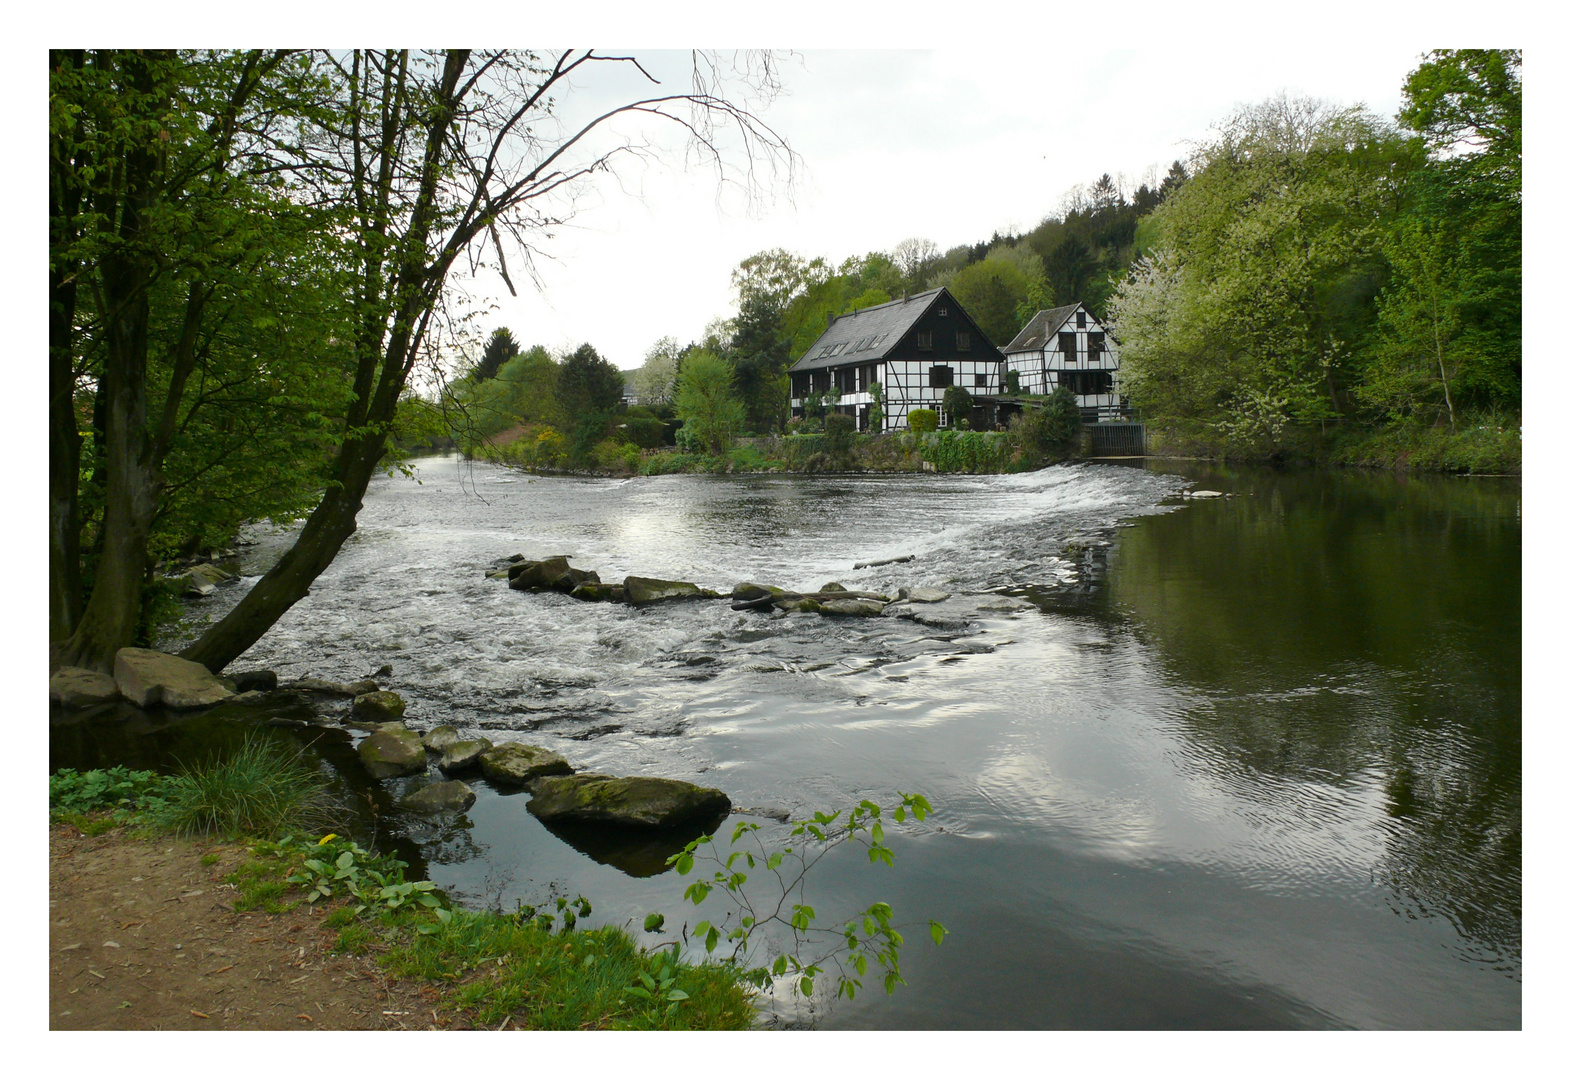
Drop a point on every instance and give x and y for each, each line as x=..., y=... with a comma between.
x=1069, y=346
x=915, y=348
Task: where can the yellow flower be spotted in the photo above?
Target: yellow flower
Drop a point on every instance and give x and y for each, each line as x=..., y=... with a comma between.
x=325, y=839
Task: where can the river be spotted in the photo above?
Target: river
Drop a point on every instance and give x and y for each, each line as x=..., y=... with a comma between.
x=1247, y=762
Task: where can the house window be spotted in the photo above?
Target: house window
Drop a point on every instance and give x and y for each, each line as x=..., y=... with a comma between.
x=1095, y=343
x=942, y=312
x=1087, y=383
x=1080, y=319
x=1066, y=345
x=980, y=379
x=940, y=375
x=962, y=342
x=924, y=339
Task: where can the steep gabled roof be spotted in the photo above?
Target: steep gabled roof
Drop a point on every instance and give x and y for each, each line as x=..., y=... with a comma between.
x=1043, y=325
x=865, y=336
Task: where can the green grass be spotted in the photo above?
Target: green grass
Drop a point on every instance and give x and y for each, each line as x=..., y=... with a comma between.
x=504, y=967
x=259, y=790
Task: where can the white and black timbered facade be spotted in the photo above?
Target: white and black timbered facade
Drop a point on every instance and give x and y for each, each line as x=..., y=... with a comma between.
x=1068, y=346
x=915, y=348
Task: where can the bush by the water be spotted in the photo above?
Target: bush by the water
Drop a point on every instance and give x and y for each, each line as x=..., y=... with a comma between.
x=258, y=790
x=965, y=451
x=922, y=420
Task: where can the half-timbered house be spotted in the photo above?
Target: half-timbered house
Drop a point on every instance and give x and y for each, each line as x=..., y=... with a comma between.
x=915, y=348
x=1069, y=346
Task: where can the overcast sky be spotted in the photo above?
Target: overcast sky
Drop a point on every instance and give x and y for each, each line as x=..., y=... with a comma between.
x=946, y=144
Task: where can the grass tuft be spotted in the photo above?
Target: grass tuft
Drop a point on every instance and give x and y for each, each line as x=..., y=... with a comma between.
x=259, y=790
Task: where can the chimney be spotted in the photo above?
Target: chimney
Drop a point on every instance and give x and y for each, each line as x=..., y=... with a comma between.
x=831, y=319
x=905, y=295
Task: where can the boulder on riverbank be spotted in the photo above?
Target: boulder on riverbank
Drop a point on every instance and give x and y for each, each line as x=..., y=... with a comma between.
x=536, y=573
x=647, y=802
x=440, y=796
x=919, y=595
x=378, y=707
x=260, y=679
x=77, y=688
x=463, y=755
x=391, y=751
x=145, y=677
x=517, y=764
x=438, y=739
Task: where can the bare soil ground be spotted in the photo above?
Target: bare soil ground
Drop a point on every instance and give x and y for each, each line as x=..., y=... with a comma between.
x=142, y=936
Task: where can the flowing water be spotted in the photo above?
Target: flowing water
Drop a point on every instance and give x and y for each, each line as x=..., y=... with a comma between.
x=1243, y=762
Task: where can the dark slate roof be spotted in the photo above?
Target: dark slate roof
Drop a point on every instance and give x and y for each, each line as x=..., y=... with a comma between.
x=865, y=336
x=1043, y=325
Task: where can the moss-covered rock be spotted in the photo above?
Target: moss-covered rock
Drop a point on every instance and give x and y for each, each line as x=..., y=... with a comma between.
x=439, y=738
x=391, y=751
x=799, y=603
x=379, y=707
x=517, y=764
x=639, y=801
x=642, y=590
x=832, y=586
x=537, y=574
x=464, y=754
x=746, y=591
x=442, y=795
x=594, y=590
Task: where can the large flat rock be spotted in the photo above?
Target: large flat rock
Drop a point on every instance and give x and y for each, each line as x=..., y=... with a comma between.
x=76, y=688
x=391, y=751
x=647, y=802
x=145, y=677
x=515, y=763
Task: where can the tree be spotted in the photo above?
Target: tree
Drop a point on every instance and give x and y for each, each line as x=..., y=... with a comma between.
x=655, y=381
x=1259, y=304
x=498, y=350
x=706, y=400
x=760, y=351
x=588, y=382
x=405, y=162
x=958, y=403
x=167, y=203
x=999, y=296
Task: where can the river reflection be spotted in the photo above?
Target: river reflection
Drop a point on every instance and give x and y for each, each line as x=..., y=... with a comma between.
x=1248, y=762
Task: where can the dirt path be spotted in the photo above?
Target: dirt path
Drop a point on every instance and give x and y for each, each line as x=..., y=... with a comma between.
x=142, y=937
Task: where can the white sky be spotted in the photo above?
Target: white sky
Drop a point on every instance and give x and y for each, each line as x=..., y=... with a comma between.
x=939, y=143
x=896, y=143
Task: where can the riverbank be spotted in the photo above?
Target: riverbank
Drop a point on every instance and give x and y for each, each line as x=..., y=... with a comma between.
x=1481, y=445
x=153, y=931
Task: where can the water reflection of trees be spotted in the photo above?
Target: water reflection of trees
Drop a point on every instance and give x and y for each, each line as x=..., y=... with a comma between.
x=1338, y=625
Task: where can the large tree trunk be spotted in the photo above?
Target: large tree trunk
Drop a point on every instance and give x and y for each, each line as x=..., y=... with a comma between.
x=132, y=483
x=65, y=442
x=330, y=524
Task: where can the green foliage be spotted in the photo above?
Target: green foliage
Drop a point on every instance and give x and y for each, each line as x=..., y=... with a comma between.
x=921, y=421
x=647, y=432
x=852, y=943
x=335, y=867
x=259, y=790
x=875, y=415
x=1042, y=434
x=839, y=436
x=706, y=400
x=958, y=404
x=499, y=349
x=964, y=451
x=1011, y=381
x=1001, y=293
x=118, y=793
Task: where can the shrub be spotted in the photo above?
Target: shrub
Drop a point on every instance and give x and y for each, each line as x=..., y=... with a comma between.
x=922, y=420
x=965, y=451
x=260, y=789
x=645, y=431
x=1046, y=434
x=958, y=403
x=1011, y=381
x=839, y=436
